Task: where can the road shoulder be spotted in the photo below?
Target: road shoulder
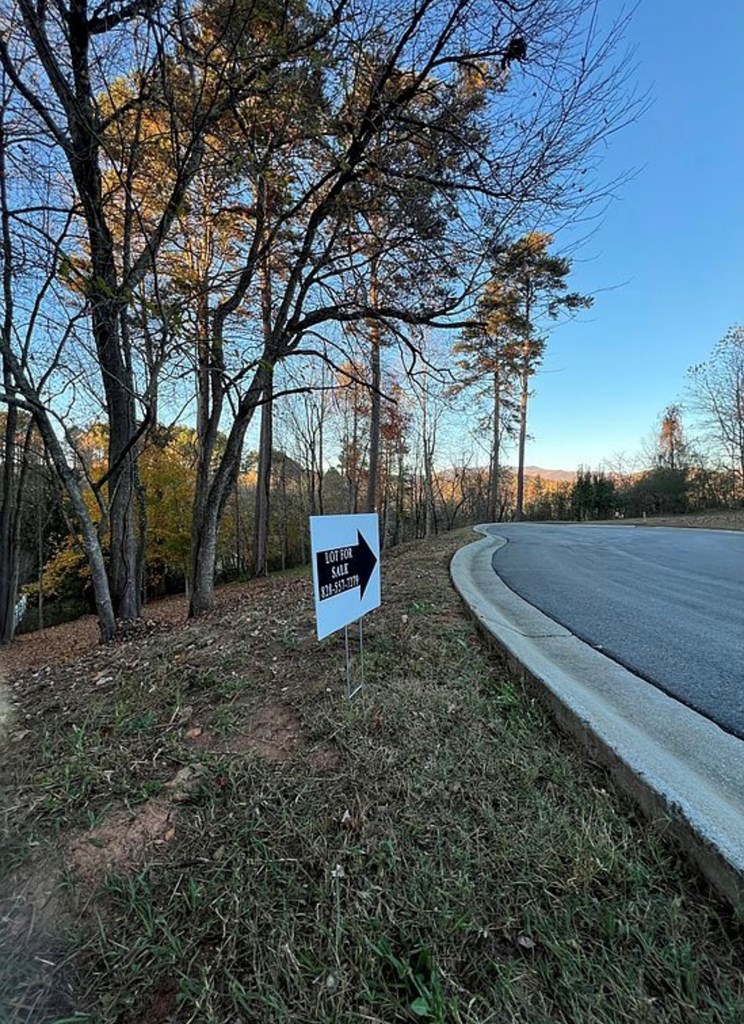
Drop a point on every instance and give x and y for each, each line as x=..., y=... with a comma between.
x=685, y=772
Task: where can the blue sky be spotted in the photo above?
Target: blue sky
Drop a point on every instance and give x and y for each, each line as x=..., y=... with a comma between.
x=665, y=264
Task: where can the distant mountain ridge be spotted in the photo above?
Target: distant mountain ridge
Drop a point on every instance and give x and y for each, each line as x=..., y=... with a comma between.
x=549, y=474
x=553, y=475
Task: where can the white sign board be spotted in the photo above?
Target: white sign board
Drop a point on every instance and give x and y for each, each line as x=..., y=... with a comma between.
x=346, y=569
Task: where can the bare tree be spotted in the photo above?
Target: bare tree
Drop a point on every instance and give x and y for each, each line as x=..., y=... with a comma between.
x=672, y=449
x=32, y=340
x=717, y=390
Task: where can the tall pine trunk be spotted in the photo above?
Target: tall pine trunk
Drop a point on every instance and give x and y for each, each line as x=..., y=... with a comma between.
x=523, y=400
x=493, y=484
x=375, y=398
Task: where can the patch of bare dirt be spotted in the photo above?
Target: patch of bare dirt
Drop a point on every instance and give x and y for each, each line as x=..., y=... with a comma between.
x=273, y=733
x=163, y=1005
x=120, y=842
x=36, y=908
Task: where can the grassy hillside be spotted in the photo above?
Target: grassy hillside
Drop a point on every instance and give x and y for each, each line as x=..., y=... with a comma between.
x=199, y=827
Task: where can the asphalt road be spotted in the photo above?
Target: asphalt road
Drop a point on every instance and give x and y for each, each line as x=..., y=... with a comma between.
x=666, y=603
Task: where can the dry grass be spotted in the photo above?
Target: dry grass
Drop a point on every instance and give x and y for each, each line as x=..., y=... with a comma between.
x=725, y=519
x=200, y=828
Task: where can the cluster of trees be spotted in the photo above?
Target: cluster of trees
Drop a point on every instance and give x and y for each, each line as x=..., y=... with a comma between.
x=678, y=471
x=716, y=398
x=700, y=466
x=415, y=495
x=209, y=208
x=503, y=348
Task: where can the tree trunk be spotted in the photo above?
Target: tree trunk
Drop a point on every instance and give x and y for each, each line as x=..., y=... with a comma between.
x=399, y=502
x=106, y=306
x=321, y=444
x=124, y=558
x=430, y=511
x=238, y=556
x=354, y=467
x=9, y=513
x=283, y=513
x=141, y=497
x=91, y=544
x=202, y=564
x=209, y=404
x=493, y=494
x=385, y=500
x=375, y=398
x=263, y=482
x=523, y=399
x=303, y=512
x=430, y=519
x=14, y=371
x=11, y=476
x=210, y=499
x=40, y=559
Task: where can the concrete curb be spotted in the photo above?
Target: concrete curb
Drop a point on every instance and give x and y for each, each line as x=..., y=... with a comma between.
x=686, y=773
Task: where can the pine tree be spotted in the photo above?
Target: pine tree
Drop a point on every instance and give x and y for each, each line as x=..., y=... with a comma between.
x=532, y=290
x=490, y=348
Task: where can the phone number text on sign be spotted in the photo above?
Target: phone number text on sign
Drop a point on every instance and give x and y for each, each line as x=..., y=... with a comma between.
x=338, y=587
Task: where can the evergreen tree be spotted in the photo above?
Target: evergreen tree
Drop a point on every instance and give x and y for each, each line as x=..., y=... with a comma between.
x=531, y=289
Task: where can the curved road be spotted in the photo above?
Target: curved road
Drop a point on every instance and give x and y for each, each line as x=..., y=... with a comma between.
x=666, y=603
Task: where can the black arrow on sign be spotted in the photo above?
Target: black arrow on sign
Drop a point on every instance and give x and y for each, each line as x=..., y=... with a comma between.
x=339, y=566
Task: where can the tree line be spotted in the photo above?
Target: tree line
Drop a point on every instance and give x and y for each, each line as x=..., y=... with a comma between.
x=680, y=468
x=320, y=465
x=210, y=210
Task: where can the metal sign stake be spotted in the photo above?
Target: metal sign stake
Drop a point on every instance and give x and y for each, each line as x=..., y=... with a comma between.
x=351, y=690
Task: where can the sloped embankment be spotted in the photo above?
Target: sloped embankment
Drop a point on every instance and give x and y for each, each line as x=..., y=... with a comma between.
x=199, y=826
